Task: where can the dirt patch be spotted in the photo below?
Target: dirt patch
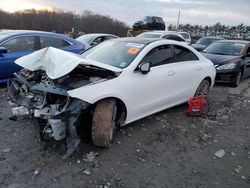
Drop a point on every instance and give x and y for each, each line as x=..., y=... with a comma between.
x=167, y=149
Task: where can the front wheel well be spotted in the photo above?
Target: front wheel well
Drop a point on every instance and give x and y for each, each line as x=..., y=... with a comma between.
x=208, y=79
x=121, y=109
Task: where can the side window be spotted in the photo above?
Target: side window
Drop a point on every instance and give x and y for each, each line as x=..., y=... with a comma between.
x=166, y=37
x=177, y=38
x=53, y=42
x=159, y=56
x=20, y=44
x=183, y=54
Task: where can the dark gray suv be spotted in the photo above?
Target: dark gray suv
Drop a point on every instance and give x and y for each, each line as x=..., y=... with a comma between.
x=150, y=23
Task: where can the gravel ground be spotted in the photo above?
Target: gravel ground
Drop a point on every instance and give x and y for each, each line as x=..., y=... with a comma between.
x=167, y=149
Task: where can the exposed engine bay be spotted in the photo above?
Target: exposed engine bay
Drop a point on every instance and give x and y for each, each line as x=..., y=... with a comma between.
x=34, y=94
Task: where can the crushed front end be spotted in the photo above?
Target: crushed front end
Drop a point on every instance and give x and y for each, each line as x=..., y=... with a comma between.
x=34, y=94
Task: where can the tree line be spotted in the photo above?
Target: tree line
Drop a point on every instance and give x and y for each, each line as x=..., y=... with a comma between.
x=61, y=22
x=240, y=31
x=88, y=22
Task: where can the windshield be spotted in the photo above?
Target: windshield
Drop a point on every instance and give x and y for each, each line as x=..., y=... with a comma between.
x=149, y=36
x=87, y=39
x=116, y=53
x=206, y=41
x=225, y=48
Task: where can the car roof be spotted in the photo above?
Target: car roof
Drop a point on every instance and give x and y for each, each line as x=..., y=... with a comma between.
x=100, y=34
x=160, y=32
x=234, y=41
x=163, y=33
x=154, y=16
x=212, y=37
x=13, y=33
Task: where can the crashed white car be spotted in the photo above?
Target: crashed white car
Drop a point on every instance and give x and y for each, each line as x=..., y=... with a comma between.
x=109, y=85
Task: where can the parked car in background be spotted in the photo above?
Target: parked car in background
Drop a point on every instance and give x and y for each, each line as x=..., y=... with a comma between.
x=17, y=43
x=231, y=59
x=150, y=23
x=186, y=36
x=94, y=38
x=162, y=34
x=114, y=83
x=202, y=43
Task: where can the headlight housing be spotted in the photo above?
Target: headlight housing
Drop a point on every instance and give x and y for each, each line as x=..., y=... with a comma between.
x=226, y=66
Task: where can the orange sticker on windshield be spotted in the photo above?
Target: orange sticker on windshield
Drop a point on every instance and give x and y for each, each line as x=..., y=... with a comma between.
x=133, y=51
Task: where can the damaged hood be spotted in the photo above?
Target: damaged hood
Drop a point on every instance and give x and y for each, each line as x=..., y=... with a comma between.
x=57, y=63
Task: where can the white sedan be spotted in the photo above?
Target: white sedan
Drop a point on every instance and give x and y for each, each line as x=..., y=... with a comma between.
x=114, y=83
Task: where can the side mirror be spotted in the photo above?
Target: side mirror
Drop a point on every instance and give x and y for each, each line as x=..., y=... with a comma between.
x=145, y=67
x=3, y=50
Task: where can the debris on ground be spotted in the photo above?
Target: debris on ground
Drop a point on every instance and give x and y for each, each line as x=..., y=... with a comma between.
x=238, y=169
x=36, y=172
x=87, y=172
x=7, y=150
x=220, y=153
x=90, y=157
x=13, y=118
x=161, y=146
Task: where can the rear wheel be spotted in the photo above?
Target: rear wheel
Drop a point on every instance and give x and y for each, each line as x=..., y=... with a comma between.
x=104, y=123
x=203, y=88
x=237, y=79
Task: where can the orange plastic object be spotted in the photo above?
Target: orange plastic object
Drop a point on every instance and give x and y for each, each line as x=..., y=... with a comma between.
x=133, y=51
x=196, y=106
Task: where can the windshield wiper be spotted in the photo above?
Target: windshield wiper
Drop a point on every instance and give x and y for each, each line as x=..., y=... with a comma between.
x=219, y=53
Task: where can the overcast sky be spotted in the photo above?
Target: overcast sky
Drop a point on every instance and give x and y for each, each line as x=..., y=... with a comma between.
x=201, y=12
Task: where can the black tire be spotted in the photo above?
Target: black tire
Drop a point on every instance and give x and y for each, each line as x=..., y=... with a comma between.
x=104, y=123
x=203, y=88
x=237, y=79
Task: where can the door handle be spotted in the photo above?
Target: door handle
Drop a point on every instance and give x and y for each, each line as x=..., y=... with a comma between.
x=171, y=73
x=198, y=68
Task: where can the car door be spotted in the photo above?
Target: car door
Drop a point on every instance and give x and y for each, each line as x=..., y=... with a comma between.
x=174, y=76
x=17, y=47
x=151, y=91
x=189, y=72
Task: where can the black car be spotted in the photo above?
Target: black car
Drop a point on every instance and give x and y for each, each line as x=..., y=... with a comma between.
x=204, y=42
x=150, y=23
x=231, y=59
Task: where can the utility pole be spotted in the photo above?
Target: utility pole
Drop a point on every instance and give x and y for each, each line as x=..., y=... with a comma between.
x=178, y=21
